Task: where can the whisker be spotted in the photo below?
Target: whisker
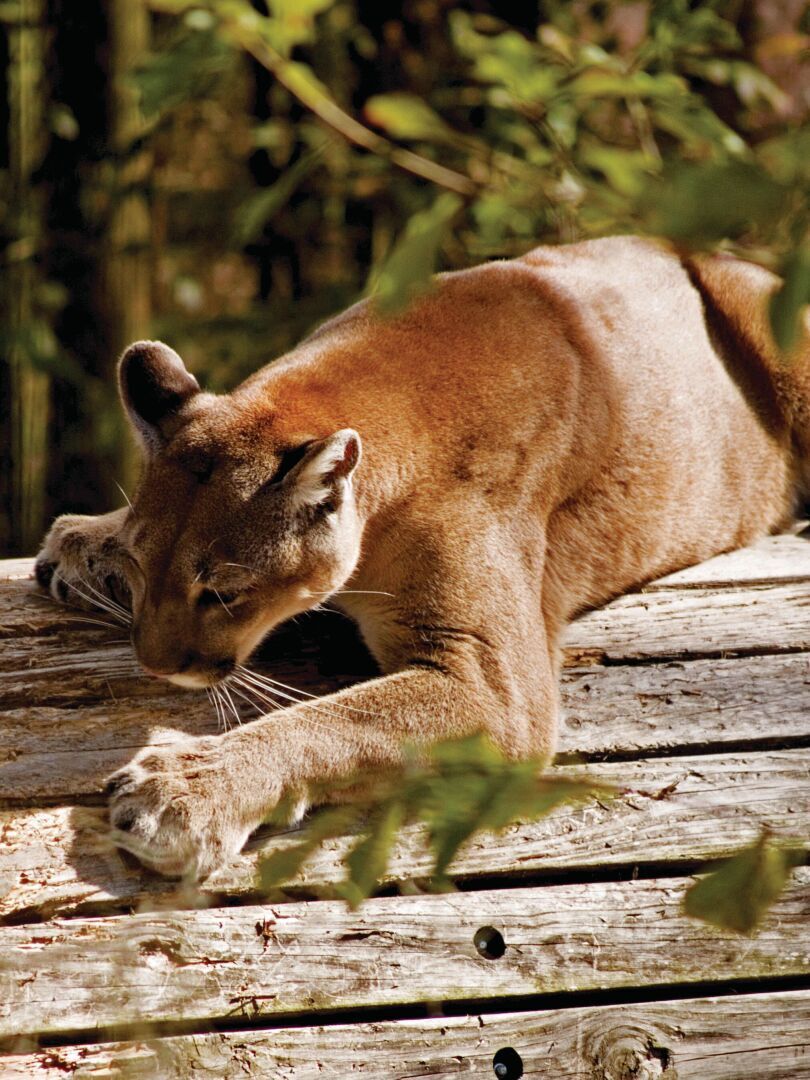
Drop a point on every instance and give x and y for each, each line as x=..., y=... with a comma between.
x=262, y=695
x=358, y=592
x=129, y=503
x=94, y=602
x=214, y=591
x=227, y=695
x=268, y=688
x=352, y=592
x=95, y=622
x=217, y=708
x=248, y=676
x=297, y=690
x=260, y=704
x=225, y=721
x=112, y=604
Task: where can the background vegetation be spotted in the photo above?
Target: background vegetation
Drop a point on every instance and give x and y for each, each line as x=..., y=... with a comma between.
x=225, y=174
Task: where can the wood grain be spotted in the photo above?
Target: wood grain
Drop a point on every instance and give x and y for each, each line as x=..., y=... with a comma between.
x=58, y=753
x=709, y=656
x=16, y=569
x=766, y=1036
x=651, y=708
x=674, y=811
x=264, y=960
x=691, y=623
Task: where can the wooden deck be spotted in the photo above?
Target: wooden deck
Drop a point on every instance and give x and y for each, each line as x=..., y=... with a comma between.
x=692, y=695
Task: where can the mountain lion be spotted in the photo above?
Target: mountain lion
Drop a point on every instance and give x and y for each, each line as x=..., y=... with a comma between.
x=538, y=436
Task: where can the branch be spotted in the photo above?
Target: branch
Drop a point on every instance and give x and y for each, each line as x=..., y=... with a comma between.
x=293, y=76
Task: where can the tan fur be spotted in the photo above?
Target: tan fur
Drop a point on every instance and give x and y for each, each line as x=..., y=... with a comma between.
x=538, y=436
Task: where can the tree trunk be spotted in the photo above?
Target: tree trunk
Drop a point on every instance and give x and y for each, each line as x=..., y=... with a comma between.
x=99, y=245
x=23, y=388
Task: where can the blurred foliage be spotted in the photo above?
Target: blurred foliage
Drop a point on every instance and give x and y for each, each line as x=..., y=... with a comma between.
x=293, y=154
x=466, y=786
x=600, y=118
x=737, y=894
x=462, y=787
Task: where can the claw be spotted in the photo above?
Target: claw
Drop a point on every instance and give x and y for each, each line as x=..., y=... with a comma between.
x=125, y=821
x=43, y=571
x=115, y=784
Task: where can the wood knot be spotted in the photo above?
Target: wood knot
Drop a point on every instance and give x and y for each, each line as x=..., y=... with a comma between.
x=627, y=1052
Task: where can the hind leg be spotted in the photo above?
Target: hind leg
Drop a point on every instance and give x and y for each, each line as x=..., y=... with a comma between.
x=81, y=562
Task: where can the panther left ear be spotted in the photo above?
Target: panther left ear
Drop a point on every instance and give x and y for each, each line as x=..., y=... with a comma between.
x=324, y=473
x=154, y=386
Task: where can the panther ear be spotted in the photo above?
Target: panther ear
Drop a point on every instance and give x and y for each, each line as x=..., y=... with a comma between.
x=324, y=473
x=154, y=385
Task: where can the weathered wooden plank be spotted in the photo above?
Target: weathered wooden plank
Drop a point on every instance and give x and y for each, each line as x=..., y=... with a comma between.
x=683, y=623
x=56, y=754
x=16, y=569
x=774, y=559
x=614, y=710
x=25, y=611
x=264, y=960
x=70, y=668
x=721, y=1038
x=641, y=708
x=61, y=860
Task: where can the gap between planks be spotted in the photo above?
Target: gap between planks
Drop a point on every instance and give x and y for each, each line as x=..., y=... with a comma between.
x=51, y=755
x=686, y=1039
x=62, y=860
x=263, y=960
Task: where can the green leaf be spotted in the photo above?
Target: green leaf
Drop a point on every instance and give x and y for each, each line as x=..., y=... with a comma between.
x=263, y=205
x=497, y=216
x=787, y=303
x=508, y=59
x=601, y=84
x=407, y=270
x=787, y=156
x=753, y=86
x=187, y=69
x=626, y=171
x=406, y=116
x=738, y=894
x=476, y=787
x=293, y=22
x=697, y=127
x=299, y=9
x=286, y=863
x=700, y=203
x=367, y=861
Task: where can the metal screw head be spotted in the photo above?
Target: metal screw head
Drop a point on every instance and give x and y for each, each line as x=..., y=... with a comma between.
x=507, y=1064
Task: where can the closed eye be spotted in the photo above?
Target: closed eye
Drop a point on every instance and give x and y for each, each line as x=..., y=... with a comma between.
x=216, y=596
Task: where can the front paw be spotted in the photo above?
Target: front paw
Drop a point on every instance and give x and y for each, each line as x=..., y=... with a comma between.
x=181, y=811
x=79, y=564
